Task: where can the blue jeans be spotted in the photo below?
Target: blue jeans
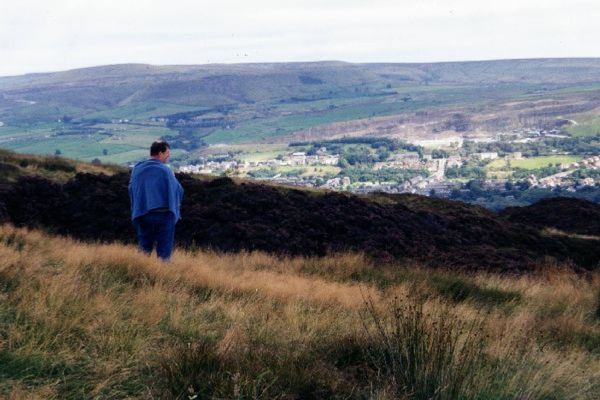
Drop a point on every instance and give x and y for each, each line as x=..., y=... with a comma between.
x=159, y=228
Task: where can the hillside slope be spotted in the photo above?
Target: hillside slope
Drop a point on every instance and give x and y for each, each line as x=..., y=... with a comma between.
x=228, y=216
x=111, y=112
x=84, y=91
x=565, y=214
x=103, y=321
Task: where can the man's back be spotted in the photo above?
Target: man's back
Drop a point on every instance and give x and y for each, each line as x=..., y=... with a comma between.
x=155, y=196
x=152, y=186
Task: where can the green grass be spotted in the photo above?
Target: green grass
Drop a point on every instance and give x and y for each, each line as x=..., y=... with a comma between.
x=496, y=167
x=497, y=164
x=36, y=130
x=588, y=125
x=543, y=161
x=79, y=148
x=316, y=170
x=321, y=170
x=143, y=111
x=136, y=135
x=128, y=142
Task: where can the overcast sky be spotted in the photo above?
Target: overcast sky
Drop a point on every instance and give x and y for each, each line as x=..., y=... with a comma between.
x=55, y=35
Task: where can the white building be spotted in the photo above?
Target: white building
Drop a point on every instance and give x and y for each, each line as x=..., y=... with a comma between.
x=486, y=156
x=299, y=158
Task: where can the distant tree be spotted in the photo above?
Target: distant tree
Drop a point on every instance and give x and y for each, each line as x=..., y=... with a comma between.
x=458, y=122
x=96, y=161
x=384, y=155
x=104, y=151
x=438, y=153
x=57, y=152
x=455, y=193
x=476, y=187
x=312, y=151
x=523, y=185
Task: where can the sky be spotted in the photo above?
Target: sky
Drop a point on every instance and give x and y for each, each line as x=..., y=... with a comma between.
x=57, y=35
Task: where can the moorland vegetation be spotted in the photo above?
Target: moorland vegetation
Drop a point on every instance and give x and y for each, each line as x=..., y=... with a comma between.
x=83, y=320
x=231, y=216
x=280, y=293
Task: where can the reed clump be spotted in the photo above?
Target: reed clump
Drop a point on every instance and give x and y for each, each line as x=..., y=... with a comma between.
x=80, y=320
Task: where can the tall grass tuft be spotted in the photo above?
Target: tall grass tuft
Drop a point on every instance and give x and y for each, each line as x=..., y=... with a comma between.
x=193, y=371
x=424, y=352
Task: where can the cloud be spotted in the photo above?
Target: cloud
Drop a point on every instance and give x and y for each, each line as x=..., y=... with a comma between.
x=37, y=35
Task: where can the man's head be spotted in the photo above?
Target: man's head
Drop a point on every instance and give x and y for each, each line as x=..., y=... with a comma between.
x=160, y=150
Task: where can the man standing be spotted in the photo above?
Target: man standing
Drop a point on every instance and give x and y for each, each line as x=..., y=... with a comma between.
x=155, y=196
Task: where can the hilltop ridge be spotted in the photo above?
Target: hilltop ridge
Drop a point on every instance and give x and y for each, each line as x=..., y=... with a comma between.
x=77, y=91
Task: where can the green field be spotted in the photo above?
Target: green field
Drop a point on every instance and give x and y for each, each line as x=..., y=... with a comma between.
x=543, y=161
x=498, y=174
x=311, y=114
x=303, y=171
x=499, y=165
x=124, y=143
x=270, y=103
x=588, y=125
x=133, y=134
x=79, y=148
x=143, y=111
x=316, y=170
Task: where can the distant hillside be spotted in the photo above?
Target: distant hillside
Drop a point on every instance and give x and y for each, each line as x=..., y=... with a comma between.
x=83, y=91
x=113, y=112
x=225, y=215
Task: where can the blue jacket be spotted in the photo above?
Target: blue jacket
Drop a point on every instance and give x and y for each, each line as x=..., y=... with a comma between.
x=153, y=185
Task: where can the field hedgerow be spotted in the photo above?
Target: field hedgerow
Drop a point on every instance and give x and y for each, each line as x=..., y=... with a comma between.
x=104, y=321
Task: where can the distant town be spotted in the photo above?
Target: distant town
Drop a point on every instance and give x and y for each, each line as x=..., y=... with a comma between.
x=498, y=164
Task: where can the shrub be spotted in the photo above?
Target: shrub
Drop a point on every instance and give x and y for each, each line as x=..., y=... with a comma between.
x=8, y=171
x=57, y=164
x=423, y=354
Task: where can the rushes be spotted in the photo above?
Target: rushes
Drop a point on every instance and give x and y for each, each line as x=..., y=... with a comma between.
x=424, y=350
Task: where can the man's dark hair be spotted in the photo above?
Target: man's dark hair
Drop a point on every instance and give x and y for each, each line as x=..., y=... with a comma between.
x=159, y=146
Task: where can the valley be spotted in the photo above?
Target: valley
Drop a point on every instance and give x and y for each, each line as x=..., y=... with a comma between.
x=477, y=119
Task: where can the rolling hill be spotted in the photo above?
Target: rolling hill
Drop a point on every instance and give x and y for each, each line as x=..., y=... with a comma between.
x=84, y=91
x=259, y=103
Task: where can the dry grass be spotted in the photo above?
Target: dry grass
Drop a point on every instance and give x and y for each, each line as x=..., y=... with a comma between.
x=103, y=321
